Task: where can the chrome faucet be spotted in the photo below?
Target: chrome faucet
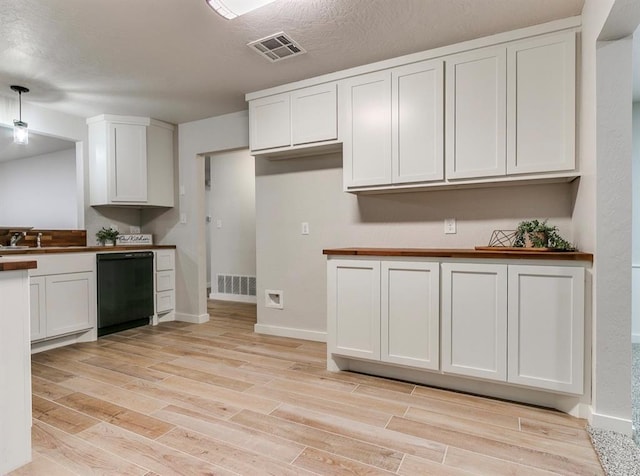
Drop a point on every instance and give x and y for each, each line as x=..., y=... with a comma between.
x=38, y=238
x=17, y=237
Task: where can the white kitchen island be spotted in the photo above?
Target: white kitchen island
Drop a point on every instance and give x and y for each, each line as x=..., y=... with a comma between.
x=15, y=370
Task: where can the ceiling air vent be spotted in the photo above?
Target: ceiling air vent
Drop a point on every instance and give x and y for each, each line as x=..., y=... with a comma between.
x=277, y=47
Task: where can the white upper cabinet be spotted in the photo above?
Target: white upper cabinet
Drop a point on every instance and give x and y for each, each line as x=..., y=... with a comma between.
x=494, y=110
x=417, y=117
x=293, y=120
x=541, y=104
x=314, y=113
x=270, y=122
x=392, y=126
x=129, y=164
x=476, y=114
x=130, y=161
x=365, y=122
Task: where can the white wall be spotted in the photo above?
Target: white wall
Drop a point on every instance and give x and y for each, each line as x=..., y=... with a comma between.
x=233, y=207
x=195, y=140
x=602, y=214
x=40, y=191
x=289, y=192
x=635, y=204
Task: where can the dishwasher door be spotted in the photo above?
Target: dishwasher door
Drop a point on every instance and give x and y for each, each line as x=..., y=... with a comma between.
x=125, y=290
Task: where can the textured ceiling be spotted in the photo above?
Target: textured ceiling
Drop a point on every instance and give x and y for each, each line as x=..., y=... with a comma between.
x=178, y=61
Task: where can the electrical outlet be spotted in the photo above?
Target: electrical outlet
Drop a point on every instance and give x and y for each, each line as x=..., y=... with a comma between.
x=134, y=229
x=183, y=218
x=449, y=226
x=305, y=228
x=218, y=223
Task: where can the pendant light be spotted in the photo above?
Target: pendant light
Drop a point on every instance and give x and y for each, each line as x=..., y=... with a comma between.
x=20, y=128
x=231, y=9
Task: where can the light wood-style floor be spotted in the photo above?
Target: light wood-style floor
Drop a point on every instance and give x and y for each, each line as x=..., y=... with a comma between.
x=218, y=399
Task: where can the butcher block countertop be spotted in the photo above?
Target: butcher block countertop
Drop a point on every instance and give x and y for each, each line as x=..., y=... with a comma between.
x=17, y=265
x=462, y=253
x=7, y=251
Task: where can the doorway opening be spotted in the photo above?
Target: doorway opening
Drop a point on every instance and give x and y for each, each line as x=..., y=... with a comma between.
x=230, y=226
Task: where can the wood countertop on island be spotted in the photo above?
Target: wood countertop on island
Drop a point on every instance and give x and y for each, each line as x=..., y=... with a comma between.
x=17, y=265
x=462, y=253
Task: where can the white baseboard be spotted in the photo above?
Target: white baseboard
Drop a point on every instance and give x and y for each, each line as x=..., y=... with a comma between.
x=607, y=422
x=566, y=403
x=192, y=318
x=233, y=297
x=88, y=336
x=304, y=334
x=635, y=338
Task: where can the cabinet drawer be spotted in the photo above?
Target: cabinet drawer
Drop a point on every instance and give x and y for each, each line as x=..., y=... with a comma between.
x=165, y=260
x=164, y=301
x=165, y=280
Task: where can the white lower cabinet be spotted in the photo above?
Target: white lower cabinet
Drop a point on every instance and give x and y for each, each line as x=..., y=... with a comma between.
x=165, y=282
x=62, y=296
x=385, y=310
x=516, y=323
x=410, y=311
x=354, y=308
x=474, y=320
x=546, y=327
x=70, y=300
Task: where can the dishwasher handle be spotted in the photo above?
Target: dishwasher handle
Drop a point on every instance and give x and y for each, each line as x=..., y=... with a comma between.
x=120, y=256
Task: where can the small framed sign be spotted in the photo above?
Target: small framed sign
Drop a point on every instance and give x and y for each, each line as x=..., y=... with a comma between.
x=138, y=239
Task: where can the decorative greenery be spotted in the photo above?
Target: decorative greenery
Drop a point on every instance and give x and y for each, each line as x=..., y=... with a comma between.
x=107, y=234
x=540, y=235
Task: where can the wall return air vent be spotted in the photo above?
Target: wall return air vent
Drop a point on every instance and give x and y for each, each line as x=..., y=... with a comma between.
x=276, y=47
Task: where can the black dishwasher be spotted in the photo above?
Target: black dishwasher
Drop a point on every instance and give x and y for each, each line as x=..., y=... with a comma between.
x=125, y=290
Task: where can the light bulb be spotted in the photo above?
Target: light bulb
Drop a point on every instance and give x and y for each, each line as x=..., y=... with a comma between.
x=20, y=132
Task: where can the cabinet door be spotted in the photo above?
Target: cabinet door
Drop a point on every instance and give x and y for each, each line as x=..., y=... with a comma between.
x=353, y=308
x=37, y=307
x=365, y=122
x=476, y=114
x=474, y=320
x=129, y=163
x=541, y=104
x=410, y=314
x=314, y=114
x=546, y=327
x=418, y=122
x=270, y=122
x=70, y=302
